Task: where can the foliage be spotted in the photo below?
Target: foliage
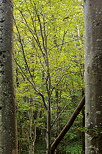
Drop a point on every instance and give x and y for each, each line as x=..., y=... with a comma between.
x=73, y=148
x=48, y=54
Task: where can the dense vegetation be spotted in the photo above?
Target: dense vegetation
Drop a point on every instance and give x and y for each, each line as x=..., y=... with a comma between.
x=49, y=66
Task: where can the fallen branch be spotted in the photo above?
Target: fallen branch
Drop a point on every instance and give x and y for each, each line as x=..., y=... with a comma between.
x=68, y=125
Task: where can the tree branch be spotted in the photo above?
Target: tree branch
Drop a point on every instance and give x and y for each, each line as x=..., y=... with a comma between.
x=68, y=125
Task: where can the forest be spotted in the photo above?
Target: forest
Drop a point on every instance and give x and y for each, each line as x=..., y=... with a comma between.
x=42, y=94
x=48, y=51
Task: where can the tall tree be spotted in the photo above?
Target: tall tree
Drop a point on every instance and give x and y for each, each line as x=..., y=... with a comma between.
x=47, y=54
x=93, y=76
x=7, y=99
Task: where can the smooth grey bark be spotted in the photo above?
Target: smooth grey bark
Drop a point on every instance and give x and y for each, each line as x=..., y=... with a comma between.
x=93, y=76
x=7, y=99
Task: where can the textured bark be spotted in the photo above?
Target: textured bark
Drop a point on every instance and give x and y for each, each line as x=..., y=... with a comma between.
x=7, y=105
x=93, y=76
x=67, y=126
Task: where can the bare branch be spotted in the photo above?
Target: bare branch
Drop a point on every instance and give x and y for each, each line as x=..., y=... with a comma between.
x=32, y=84
x=59, y=115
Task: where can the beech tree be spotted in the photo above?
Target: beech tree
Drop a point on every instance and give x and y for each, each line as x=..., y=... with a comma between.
x=93, y=76
x=7, y=99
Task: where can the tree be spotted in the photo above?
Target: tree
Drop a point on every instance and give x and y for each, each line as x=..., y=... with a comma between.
x=7, y=98
x=93, y=76
x=47, y=53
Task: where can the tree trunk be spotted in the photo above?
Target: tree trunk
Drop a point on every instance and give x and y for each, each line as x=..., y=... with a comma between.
x=7, y=99
x=48, y=141
x=83, y=126
x=83, y=133
x=93, y=76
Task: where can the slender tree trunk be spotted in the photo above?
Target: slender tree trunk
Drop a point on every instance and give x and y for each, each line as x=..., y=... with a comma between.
x=7, y=99
x=83, y=126
x=49, y=128
x=83, y=133
x=57, y=110
x=48, y=88
x=93, y=76
x=32, y=131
